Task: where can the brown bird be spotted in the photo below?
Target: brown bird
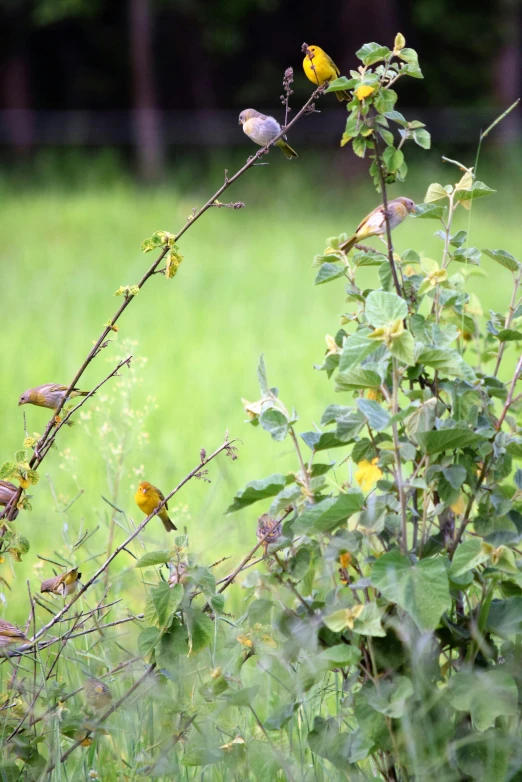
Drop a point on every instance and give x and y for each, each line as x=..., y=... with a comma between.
x=48, y=395
x=97, y=694
x=374, y=224
x=7, y=492
x=10, y=634
x=65, y=584
x=147, y=498
x=269, y=527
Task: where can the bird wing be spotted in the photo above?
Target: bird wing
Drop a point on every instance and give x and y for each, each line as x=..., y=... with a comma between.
x=9, y=630
x=334, y=66
x=374, y=221
x=162, y=497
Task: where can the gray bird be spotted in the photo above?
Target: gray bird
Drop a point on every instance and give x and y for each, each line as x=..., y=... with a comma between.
x=263, y=129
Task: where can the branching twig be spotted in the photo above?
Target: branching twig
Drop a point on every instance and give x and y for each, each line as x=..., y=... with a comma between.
x=378, y=160
x=100, y=343
x=105, y=716
x=224, y=447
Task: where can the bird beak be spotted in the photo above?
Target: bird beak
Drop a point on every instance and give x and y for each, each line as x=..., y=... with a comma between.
x=19, y=402
x=414, y=209
x=239, y=123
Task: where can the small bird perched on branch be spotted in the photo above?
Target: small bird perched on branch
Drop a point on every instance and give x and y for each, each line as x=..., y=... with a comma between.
x=64, y=584
x=7, y=492
x=10, y=634
x=374, y=224
x=262, y=129
x=320, y=68
x=147, y=498
x=48, y=395
x=97, y=694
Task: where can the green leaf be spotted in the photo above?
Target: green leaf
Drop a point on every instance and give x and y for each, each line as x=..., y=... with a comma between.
x=258, y=490
x=467, y=556
x=153, y=558
x=422, y=590
x=403, y=348
x=200, y=630
x=329, y=271
x=447, y=440
x=147, y=640
x=349, y=426
x=508, y=335
x=261, y=376
x=202, y=756
x=486, y=695
x=357, y=378
x=504, y=259
x=409, y=55
x=275, y=423
x=321, y=441
x=377, y=416
x=369, y=622
x=477, y=190
x=435, y=193
x=393, y=159
x=448, y=362
x=390, y=699
x=368, y=258
x=384, y=308
x=333, y=412
x=384, y=102
x=166, y=600
x=329, y=513
x=422, y=137
x=242, y=697
x=8, y=470
x=505, y=617
x=455, y=475
x=342, y=83
x=341, y=655
x=356, y=348
x=372, y=52
x=431, y=211
x=172, y=645
x=396, y=116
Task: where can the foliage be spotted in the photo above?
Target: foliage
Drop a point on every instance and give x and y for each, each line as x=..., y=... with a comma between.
x=380, y=631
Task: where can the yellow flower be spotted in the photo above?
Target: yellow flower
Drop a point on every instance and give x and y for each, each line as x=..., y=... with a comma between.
x=458, y=506
x=389, y=332
x=368, y=473
x=331, y=346
x=374, y=394
x=437, y=276
x=409, y=271
x=363, y=91
x=244, y=641
x=352, y=614
x=252, y=409
x=345, y=559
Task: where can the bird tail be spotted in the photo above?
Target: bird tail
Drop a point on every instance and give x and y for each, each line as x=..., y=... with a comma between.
x=343, y=96
x=169, y=526
x=348, y=244
x=286, y=149
x=77, y=392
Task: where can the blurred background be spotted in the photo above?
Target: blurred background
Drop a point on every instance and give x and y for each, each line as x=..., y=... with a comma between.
x=116, y=120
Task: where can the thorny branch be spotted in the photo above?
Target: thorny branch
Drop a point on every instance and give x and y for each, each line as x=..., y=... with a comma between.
x=101, y=342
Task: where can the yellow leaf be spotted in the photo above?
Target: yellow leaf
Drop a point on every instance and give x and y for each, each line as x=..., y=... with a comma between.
x=458, y=507
x=399, y=43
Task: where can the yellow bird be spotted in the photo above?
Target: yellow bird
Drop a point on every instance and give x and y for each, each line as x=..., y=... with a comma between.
x=374, y=224
x=65, y=584
x=10, y=634
x=48, y=395
x=262, y=129
x=97, y=694
x=147, y=498
x=320, y=68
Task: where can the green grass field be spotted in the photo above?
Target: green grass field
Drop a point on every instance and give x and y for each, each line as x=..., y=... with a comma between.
x=70, y=236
